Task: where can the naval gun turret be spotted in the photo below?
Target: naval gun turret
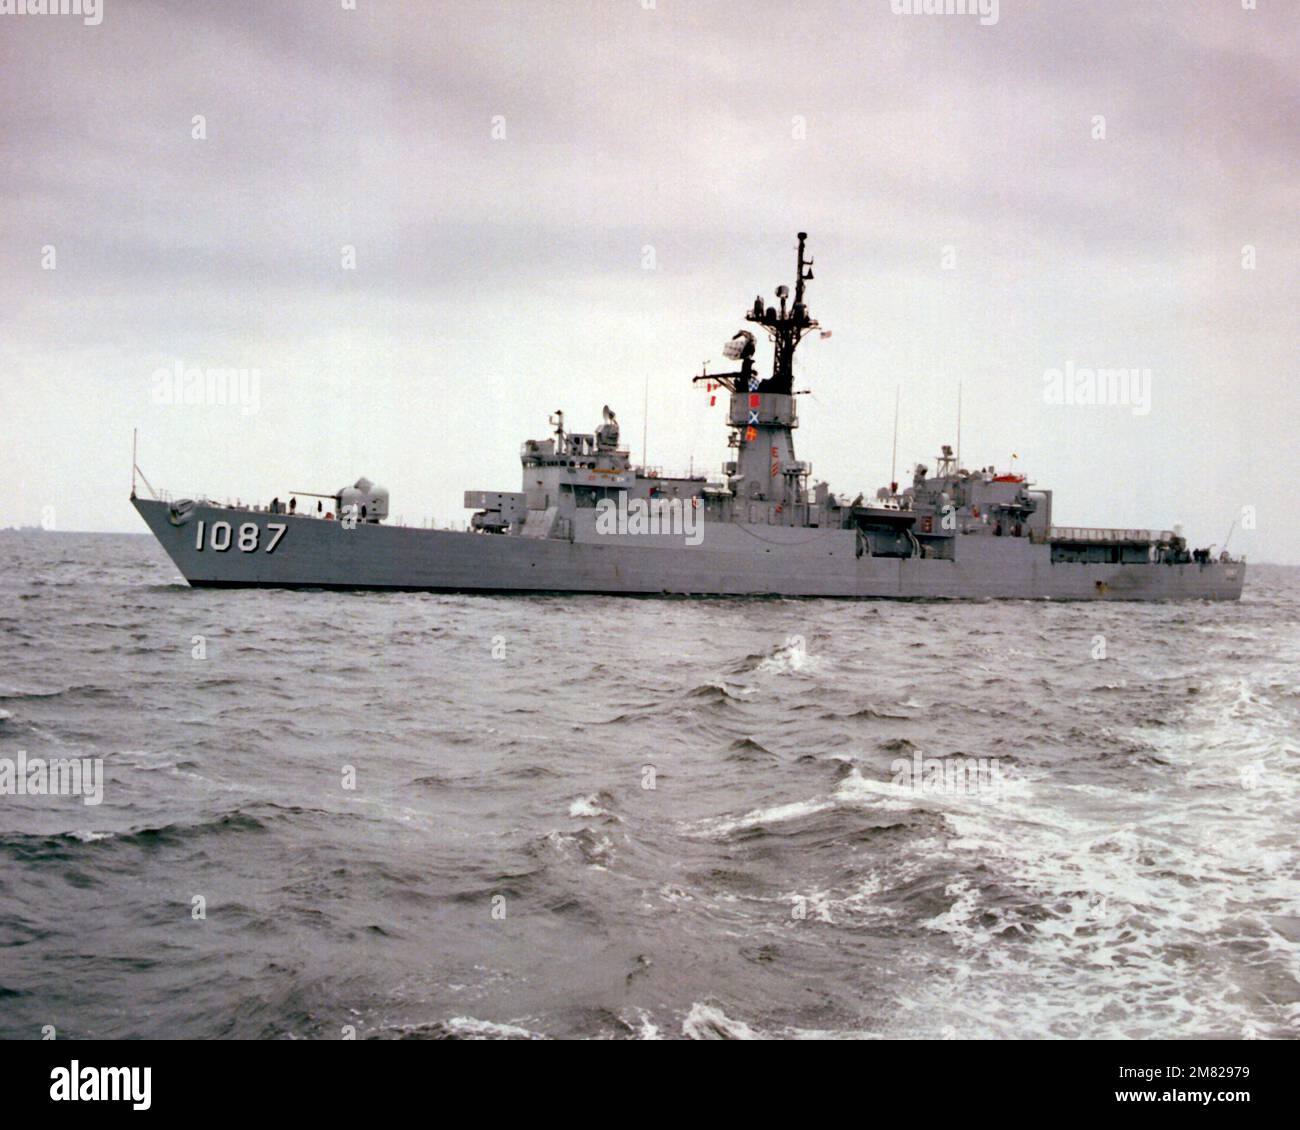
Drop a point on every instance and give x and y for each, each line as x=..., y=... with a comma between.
x=363, y=501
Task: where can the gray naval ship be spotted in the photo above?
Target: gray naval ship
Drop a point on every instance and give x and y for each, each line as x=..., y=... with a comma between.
x=587, y=520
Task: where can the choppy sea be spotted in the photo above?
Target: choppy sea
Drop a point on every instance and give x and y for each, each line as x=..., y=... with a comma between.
x=432, y=816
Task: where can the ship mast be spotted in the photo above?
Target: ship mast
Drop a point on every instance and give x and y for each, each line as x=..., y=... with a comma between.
x=786, y=326
x=765, y=478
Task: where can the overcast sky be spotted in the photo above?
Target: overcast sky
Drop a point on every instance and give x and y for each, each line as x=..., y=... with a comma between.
x=968, y=223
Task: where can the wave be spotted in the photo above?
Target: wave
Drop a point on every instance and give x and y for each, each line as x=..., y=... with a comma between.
x=458, y=1028
x=590, y=847
x=714, y=694
x=590, y=805
x=747, y=749
x=13, y=692
x=709, y=1022
x=41, y=847
x=873, y=712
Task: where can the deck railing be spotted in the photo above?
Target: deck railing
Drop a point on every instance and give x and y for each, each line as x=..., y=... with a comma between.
x=1098, y=534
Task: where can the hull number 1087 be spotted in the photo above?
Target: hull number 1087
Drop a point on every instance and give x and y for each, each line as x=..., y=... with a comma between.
x=221, y=537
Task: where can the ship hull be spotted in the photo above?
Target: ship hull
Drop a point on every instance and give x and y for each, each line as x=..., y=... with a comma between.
x=731, y=560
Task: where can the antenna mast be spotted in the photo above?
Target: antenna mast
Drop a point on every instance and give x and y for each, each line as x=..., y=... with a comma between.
x=645, y=418
x=959, y=425
x=800, y=266
x=786, y=325
x=893, y=461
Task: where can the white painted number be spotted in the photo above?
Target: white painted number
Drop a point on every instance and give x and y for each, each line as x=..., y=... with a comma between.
x=219, y=537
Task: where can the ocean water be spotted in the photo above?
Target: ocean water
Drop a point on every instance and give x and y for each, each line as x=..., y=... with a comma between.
x=432, y=816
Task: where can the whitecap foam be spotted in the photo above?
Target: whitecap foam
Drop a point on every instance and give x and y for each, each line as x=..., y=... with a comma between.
x=854, y=790
x=587, y=806
x=775, y=814
x=708, y=1022
x=1126, y=900
x=792, y=656
x=645, y=1027
x=471, y=1028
